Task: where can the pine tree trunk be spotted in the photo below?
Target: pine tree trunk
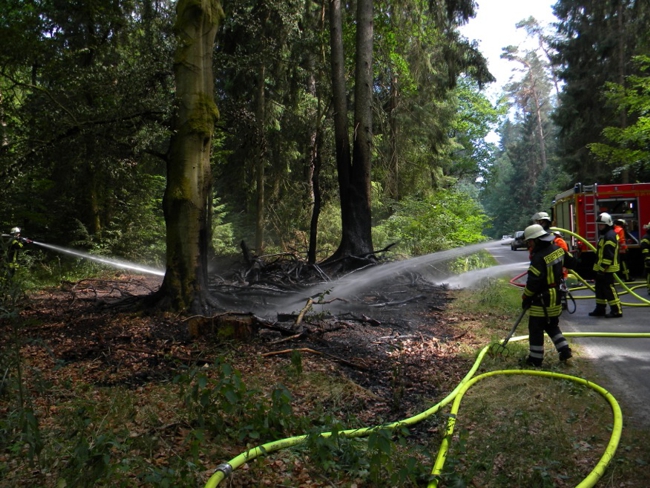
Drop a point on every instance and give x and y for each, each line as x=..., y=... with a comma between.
x=353, y=175
x=260, y=164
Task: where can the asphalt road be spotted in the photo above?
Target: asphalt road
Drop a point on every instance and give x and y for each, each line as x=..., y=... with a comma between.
x=623, y=363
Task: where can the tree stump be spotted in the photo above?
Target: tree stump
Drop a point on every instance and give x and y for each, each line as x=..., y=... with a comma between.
x=230, y=325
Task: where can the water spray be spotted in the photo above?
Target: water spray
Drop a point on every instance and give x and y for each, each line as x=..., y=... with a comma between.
x=115, y=263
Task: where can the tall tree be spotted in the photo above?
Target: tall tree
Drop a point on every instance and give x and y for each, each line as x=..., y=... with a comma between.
x=188, y=196
x=353, y=171
x=595, y=44
x=531, y=95
x=627, y=148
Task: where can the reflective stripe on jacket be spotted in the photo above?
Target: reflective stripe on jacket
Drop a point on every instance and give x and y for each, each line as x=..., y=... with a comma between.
x=544, y=277
x=645, y=245
x=607, y=260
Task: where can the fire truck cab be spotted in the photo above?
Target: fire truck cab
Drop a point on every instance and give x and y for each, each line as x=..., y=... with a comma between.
x=577, y=209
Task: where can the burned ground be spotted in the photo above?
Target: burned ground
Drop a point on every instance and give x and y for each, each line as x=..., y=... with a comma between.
x=383, y=352
x=387, y=338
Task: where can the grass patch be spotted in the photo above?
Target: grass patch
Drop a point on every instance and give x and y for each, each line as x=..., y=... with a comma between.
x=533, y=431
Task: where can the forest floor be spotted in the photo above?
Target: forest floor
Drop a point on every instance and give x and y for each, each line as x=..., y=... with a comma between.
x=82, y=329
x=394, y=350
x=95, y=371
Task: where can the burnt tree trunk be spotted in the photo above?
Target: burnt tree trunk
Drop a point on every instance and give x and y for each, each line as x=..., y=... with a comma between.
x=353, y=173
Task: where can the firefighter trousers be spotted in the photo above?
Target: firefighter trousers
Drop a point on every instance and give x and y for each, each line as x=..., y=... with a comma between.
x=625, y=270
x=537, y=326
x=606, y=293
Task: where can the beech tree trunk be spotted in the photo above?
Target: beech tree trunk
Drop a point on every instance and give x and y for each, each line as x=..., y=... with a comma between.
x=188, y=195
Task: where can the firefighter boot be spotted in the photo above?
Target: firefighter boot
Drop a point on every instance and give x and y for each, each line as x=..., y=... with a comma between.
x=565, y=354
x=599, y=311
x=536, y=362
x=615, y=312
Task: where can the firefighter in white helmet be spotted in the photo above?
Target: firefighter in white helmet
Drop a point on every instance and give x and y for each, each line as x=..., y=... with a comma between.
x=542, y=293
x=543, y=219
x=606, y=265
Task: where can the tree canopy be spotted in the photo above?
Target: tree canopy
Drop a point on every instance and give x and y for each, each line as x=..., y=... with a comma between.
x=88, y=97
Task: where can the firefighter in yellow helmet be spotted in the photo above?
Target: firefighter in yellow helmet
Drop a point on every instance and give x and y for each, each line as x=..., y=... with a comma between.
x=606, y=266
x=542, y=293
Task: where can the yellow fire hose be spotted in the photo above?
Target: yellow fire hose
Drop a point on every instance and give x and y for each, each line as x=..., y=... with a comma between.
x=644, y=301
x=225, y=469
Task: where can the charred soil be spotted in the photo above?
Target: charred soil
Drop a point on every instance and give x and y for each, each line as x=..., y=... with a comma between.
x=393, y=342
x=392, y=337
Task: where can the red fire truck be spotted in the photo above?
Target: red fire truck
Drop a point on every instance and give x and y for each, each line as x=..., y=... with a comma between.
x=577, y=209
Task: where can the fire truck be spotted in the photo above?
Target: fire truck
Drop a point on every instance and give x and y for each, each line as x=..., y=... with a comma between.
x=577, y=209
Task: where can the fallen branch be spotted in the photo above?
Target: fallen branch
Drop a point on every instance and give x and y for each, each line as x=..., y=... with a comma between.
x=455, y=338
x=302, y=313
x=306, y=349
x=160, y=354
x=371, y=321
x=400, y=302
x=287, y=351
x=287, y=339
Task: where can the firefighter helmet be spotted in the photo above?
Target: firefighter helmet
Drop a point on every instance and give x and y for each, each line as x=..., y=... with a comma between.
x=15, y=231
x=540, y=216
x=647, y=226
x=620, y=222
x=605, y=218
x=536, y=231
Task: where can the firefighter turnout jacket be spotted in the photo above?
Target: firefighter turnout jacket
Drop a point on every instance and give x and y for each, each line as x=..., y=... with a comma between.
x=544, y=278
x=645, y=249
x=607, y=260
x=622, y=242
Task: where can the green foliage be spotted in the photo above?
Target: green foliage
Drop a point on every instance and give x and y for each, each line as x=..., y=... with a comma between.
x=442, y=220
x=19, y=428
x=626, y=148
x=85, y=100
x=223, y=235
x=227, y=405
x=479, y=260
x=594, y=46
x=379, y=457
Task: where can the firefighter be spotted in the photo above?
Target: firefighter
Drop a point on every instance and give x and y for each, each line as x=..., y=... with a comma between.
x=544, y=220
x=645, y=253
x=13, y=248
x=605, y=267
x=10, y=249
x=542, y=294
x=619, y=228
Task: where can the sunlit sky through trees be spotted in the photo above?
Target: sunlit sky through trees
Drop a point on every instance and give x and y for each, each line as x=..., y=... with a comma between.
x=494, y=28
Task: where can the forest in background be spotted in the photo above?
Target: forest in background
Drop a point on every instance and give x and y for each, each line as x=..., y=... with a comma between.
x=87, y=98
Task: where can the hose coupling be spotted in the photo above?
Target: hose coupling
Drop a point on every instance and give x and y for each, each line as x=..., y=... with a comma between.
x=225, y=468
